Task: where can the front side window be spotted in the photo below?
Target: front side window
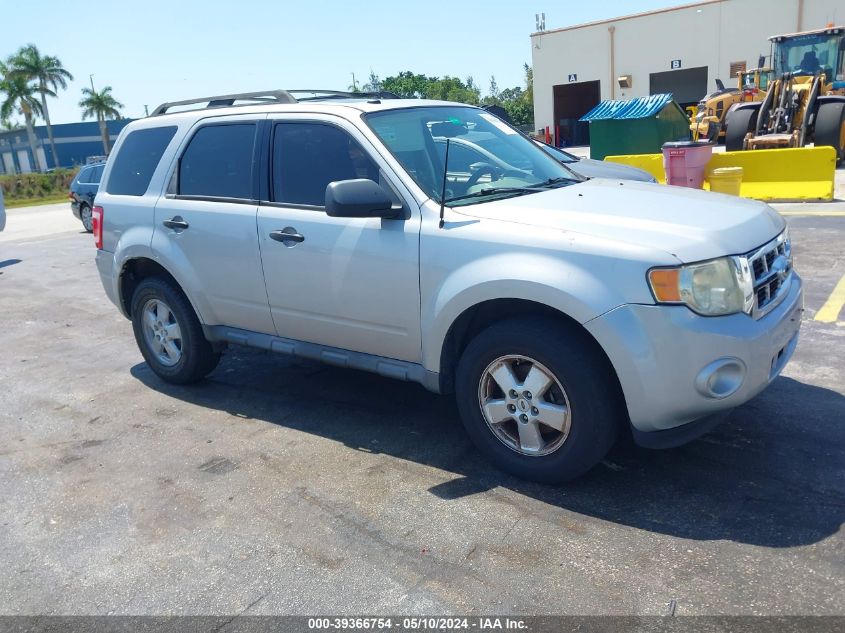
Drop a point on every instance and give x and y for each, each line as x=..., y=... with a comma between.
x=218, y=162
x=512, y=164
x=137, y=159
x=308, y=156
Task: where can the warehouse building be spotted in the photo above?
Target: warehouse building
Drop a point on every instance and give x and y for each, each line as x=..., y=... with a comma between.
x=76, y=143
x=682, y=50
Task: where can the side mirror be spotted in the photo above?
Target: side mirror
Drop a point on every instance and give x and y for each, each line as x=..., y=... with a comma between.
x=359, y=198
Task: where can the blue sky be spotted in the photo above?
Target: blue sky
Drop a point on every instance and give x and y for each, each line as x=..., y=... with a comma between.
x=152, y=51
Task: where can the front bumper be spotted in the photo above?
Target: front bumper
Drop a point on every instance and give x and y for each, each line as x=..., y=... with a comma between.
x=677, y=368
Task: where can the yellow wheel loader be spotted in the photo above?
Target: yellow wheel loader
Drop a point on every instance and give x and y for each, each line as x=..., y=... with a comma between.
x=709, y=120
x=805, y=102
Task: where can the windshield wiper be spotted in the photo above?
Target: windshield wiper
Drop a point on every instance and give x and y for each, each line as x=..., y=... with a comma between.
x=554, y=181
x=489, y=191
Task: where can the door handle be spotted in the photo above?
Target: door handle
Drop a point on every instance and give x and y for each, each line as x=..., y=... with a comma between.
x=287, y=236
x=176, y=222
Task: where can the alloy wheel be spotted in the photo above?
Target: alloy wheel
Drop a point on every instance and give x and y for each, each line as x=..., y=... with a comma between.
x=162, y=332
x=524, y=405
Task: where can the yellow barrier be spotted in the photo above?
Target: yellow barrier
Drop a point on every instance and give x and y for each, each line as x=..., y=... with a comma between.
x=786, y=175
x=652, y=163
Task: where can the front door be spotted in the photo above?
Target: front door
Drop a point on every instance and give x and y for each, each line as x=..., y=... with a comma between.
x=350, y=283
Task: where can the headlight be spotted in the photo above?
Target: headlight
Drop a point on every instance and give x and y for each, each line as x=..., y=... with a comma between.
x=714, y=288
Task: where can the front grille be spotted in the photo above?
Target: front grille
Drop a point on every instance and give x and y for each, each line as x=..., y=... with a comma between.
x=772, y=268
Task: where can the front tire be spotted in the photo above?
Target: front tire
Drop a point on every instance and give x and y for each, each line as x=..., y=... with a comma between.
x=738, y=123
x=169, y=334
x=85, y=216
x=538, y=399
x=830, y=128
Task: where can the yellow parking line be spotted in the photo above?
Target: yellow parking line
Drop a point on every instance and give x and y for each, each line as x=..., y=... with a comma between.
x=830, y=310
x=818, y=214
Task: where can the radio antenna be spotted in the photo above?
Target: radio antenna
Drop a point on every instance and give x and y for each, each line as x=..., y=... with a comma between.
x=443, y=189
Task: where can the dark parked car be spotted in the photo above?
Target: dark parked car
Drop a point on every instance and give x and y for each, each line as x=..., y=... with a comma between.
x=596, y=168
x=83, y=190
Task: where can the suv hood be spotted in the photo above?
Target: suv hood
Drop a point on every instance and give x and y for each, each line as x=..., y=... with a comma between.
x=690, y=224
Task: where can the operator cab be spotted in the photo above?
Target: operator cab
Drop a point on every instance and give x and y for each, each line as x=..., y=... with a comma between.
x=811, y=53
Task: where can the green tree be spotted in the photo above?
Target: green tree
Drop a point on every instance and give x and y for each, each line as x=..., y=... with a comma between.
x=517, y=102
x=49, y=75
x=529, y=83
x=19, y=97
x=373, y=83
x=493, y=97
x=408, y=85
x=102, y=106
x=453, y=89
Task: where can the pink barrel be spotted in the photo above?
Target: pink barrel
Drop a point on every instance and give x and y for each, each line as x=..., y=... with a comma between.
x=685, y=162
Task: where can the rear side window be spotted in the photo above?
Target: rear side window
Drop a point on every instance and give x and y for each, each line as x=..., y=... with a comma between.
x=95, y=175
x=308, y=156
x=218, y=162
x=84, y=176
x=137, y=160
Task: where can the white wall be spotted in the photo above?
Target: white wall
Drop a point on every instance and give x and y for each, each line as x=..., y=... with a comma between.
x=714, y=33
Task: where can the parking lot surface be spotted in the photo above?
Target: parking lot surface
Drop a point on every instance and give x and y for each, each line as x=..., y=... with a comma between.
x=279, y=487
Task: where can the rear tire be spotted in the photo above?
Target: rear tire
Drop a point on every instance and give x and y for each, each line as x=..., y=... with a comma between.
x=738, y=123
x=85, y=216
x=169, y=334
x=561, y=429
x=830, y=127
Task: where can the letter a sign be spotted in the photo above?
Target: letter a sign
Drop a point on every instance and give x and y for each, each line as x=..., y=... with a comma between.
x=573, y=77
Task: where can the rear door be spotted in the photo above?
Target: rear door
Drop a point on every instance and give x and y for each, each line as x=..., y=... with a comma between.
x=350, y=283
x=205, y=224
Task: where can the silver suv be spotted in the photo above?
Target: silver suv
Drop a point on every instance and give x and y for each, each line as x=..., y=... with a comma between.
x=562, y=312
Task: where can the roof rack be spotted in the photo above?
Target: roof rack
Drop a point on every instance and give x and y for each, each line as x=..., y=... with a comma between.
x=222, y=101
x=341, y=94
x=272, y=96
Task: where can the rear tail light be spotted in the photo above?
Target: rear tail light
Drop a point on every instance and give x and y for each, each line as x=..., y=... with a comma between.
x=97, y=224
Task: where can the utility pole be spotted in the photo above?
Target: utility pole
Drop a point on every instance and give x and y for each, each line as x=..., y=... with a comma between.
x=354, y=84
x=146, y=110
x=91, y=77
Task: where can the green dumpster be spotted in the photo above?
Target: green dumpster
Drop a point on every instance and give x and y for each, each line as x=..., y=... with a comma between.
x=637, y=126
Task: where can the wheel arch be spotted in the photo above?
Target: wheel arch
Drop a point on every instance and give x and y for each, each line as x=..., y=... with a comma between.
x=477, y=317
x=134, y=270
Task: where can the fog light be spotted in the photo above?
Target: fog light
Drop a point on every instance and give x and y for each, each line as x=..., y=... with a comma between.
x=721, y=378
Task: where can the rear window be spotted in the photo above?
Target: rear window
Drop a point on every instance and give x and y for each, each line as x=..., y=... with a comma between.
x=137, y=160
x=218, y=162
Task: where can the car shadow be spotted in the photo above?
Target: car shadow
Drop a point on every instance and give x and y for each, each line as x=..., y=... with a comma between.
x=772, y=475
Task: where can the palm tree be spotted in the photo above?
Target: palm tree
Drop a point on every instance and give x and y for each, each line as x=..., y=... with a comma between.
x=48, y=73
x=19, y=97
x=7, y=125
x=101, y=105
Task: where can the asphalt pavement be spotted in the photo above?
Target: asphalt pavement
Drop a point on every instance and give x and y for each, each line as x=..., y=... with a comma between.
x=279, y=487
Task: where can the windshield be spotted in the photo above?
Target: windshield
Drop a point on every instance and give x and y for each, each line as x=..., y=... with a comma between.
x=487, y=158
x=809, y=54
